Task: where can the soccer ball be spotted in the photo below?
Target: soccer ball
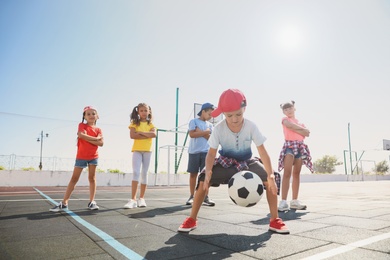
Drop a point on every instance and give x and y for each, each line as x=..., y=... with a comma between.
x=245, y=188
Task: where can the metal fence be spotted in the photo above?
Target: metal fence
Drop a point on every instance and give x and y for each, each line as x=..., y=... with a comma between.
x=18, y=162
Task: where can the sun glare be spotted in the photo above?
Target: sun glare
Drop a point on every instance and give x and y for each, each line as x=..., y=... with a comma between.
x=290, y=38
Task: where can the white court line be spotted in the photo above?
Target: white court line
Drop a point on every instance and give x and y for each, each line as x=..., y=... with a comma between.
x=125, y=251
x=349, y=247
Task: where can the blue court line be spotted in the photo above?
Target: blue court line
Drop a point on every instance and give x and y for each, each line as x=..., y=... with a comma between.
x=127, y=252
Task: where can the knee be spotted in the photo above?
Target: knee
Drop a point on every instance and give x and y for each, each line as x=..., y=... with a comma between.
x=92, y=178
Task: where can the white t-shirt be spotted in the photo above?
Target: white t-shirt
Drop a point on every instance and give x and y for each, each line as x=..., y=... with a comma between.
x=236, y=145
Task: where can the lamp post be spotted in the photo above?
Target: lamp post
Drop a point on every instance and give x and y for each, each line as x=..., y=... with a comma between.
x=41, y=140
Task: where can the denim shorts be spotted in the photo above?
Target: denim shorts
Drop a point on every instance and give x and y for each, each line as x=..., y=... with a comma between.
x=290, y=151
x=196, y=162
x=84, y=163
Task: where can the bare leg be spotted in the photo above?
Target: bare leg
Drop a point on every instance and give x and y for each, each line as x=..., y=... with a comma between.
x=92, y=181
x=296, y=178
x=288, y=164
x=193, y=177
x=200, y=194
x=72, y=183
x=272, y=203
x=134, y=188
x=143, y=189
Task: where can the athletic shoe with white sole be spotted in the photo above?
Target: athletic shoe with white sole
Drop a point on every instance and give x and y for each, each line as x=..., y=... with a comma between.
x=141, y=203
x=59, y=207
x=283, y=206
x=93, y=206
x=131, y=204
x=296, y=204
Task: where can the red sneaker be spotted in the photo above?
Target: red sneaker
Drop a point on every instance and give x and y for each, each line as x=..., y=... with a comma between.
x=188, y=225
x=277, y=225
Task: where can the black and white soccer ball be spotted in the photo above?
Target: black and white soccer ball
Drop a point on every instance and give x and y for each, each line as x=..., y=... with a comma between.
x=245, y=188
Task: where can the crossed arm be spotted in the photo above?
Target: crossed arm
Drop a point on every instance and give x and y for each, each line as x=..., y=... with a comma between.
x=142, y=135
x=297, y=128
x=98, y=140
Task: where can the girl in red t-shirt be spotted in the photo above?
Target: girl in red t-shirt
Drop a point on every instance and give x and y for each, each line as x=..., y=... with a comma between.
x=89, y=139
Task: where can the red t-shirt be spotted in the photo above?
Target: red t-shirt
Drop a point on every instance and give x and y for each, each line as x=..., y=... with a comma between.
x=86, y=150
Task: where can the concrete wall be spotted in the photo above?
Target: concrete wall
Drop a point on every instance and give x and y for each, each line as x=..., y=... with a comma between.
x=61, y=178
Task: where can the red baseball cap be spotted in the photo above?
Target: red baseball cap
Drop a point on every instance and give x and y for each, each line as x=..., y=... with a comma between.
x=230, y=100
x=89, y=108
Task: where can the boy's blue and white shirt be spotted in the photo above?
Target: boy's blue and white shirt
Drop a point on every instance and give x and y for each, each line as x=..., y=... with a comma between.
x=236, y=145
x=199, y=144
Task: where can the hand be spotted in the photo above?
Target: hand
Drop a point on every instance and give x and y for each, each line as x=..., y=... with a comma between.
x=206, y=183
x=272, y=184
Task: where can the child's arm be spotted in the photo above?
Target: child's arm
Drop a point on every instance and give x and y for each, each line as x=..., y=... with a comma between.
x=99, y=142
x=96, y=140
x=296, y=128
x=268, y=168
x=209, y=163
x=199, y=133
x=142, y=135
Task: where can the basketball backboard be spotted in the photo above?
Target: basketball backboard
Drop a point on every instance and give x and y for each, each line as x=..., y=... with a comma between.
x=386, y=145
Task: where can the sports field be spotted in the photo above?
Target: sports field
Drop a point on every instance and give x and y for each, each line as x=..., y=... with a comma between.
x=344, y=220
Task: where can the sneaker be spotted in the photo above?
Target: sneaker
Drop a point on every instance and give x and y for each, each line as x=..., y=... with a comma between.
x=141, y=203
x=296, y=204
x=190, y=200
x=59, y=207
x=283, y=206
x=208, y=202
x=277, y=225
x=188, y=225
x=131, y=204
x=92, y=205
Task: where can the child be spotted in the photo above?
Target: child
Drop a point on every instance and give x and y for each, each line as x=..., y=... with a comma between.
x=199, y=130
x=293, y=153
x=234, y=135
x=89, y=138
x=142, y=131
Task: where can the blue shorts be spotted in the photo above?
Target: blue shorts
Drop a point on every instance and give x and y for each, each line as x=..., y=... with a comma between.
x=196, y=162
x=290, y=151
x=84, y=163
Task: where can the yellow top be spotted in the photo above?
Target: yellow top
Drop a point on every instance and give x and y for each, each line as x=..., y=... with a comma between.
x=142, y=145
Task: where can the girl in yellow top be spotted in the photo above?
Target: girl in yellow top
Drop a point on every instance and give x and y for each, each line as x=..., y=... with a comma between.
x=142, y=131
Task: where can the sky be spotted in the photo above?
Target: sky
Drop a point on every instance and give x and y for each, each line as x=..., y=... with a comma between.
x=331, y=57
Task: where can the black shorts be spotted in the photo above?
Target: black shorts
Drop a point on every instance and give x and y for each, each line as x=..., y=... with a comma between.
x=222, y=175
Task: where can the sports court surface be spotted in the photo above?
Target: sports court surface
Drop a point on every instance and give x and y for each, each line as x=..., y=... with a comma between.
x=344, y=220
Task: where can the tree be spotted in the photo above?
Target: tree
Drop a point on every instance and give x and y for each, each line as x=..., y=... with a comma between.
x=382, y=167
x=327, y=164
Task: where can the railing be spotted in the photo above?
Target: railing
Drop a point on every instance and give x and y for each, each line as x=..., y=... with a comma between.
x=18, y=162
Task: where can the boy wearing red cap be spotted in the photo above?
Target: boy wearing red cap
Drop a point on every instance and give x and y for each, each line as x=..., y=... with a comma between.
x=234, y=135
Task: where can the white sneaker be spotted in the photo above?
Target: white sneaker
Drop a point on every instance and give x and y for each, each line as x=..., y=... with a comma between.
x=141, y=203
x=283, y=206
x=131, y=204
x=92, y=205
x=296, y=204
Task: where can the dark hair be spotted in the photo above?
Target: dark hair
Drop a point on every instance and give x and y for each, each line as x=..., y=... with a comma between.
x=82, y=120
x=134, y=116
x=287, y=104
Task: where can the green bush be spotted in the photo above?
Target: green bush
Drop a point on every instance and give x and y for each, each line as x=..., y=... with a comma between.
x=28, y=169
x=2, y=168
x=114, y=171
